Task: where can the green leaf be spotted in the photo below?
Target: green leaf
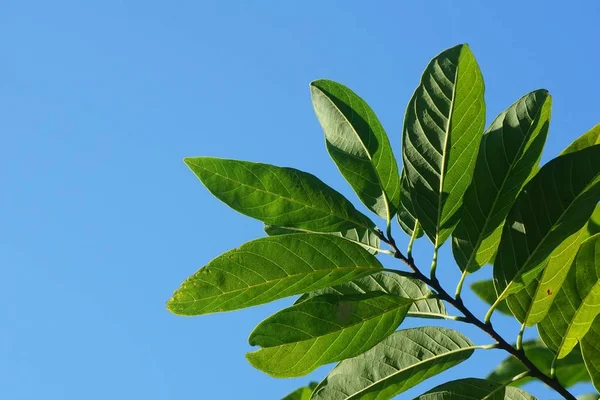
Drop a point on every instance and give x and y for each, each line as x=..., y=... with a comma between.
x=591, y=352
x=589, y=396
x=382, y=282
x=531, y=305
x=400, y=362
x=578, y=302
x=302, y=393
x=324, y=329
x=406, y=212
x=486, y=292
x=553, y=205
x=474, y=389
x=271, y=268
x=569, y=371
x=510, y=150
x=442, y=129
x=359, y=146
x=278, y=196
x=364, y=237
x=589, y=139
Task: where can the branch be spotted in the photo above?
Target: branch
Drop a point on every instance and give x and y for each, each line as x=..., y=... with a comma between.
x=519, y=354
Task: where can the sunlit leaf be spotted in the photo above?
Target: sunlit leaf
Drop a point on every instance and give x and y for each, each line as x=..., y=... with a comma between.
x=271, y=268
x=400, y=362
x=324, y=329
x=359, y=146
x=284, y=197
x=554, y=204
x=510, y=150
x=392, y=284
x=442, y=129
x=474, y=389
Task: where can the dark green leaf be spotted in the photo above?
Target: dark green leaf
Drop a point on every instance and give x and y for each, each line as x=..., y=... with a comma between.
x=510, y=150
x=271, y=268
x=400, y=362
x=395, y=284
x=406, y=212
x=278, y=196
x=302, y=393
x=555, y=203
x=366, y=238
x=485, y=290
x=359, y=146
x=578, y=302
x=569, y=371
x=474, y=389
x=442, y=129
x=324, y=329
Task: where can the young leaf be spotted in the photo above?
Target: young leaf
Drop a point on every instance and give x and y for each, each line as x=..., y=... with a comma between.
x=359, y=146
x=324, y=329
x=382, y=282
x=569, y=371
x=303, y=393
x=578, y=303
x=278, y=196
x=271, y=268
x=510, y=150
x=442, y=129
x=486, y=292
x=364, y=237
x=406, y=213
x=474, y=389
x=400, y=362
x=553, y=205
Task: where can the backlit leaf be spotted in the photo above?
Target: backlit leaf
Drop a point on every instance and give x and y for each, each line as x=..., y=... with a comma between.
x=271, y=268
x=359, y=146
x=401, y=361
x=442, y=129
x=278, y=196
x=474, y=389
x=324, y=329
x=485, y=290
x=510, y=150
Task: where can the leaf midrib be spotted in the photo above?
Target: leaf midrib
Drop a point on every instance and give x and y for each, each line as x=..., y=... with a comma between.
x=330, y=211
x=512, y=165
x=387, y=206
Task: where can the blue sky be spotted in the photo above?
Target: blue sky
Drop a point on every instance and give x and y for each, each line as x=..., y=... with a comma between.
x=101, y=220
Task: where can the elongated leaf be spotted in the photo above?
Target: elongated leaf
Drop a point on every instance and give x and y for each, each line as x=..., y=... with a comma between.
x=569, y=371
x=324, y=329
x=474, y=389
x=271, y=268
x=485, y=290
x=302, y=393
x=442, y=129
x=578, y=303
x=510, y=150
x=554, y=204
x=531, y=305
x=278, y=196
x=366, y=238
x=382, y=282
x=400, y=362
x=359, y=146
x=406, y=213
x=590, y=349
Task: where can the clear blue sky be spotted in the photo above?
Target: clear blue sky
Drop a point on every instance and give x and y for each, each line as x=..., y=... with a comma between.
x=101, y=220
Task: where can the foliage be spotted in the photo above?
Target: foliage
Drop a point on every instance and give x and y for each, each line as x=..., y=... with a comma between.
x=483, y=188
